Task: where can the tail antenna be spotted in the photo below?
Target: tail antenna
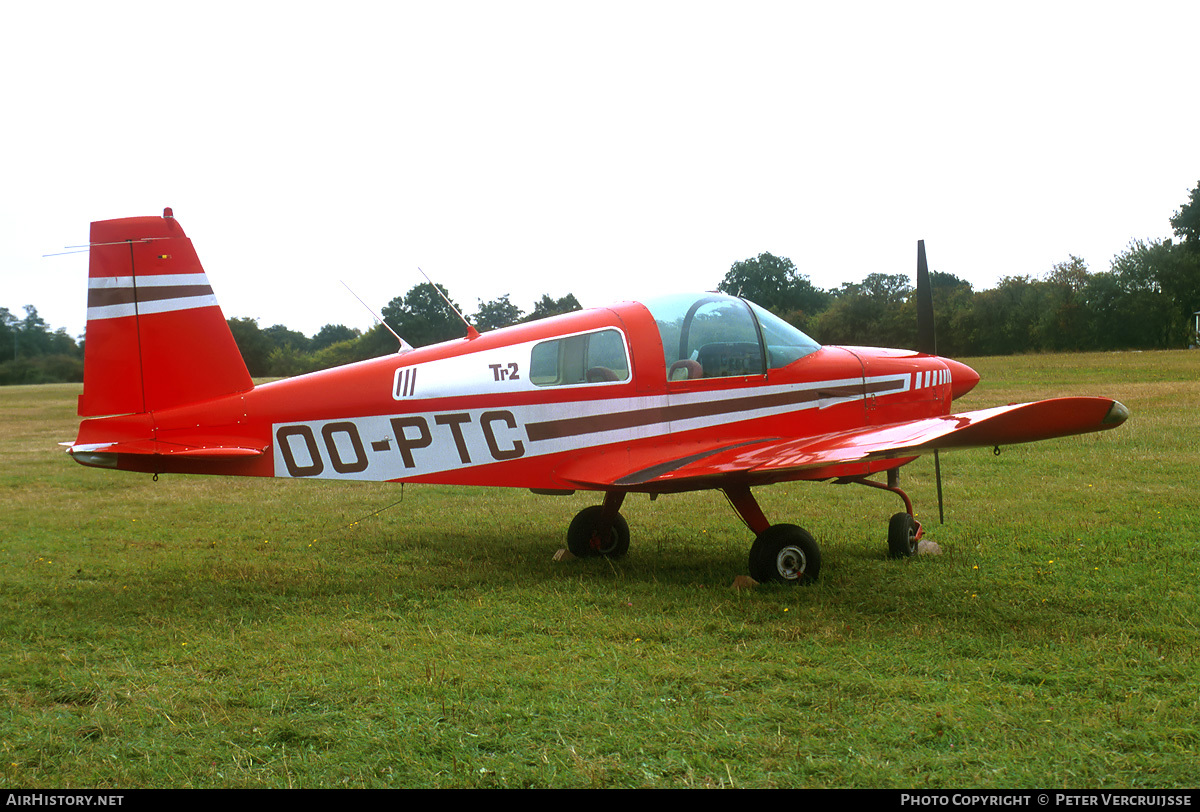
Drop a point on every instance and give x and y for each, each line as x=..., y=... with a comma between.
x=471, y=331
x=404, y=345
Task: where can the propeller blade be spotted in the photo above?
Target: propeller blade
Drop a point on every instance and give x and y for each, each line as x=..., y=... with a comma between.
x=926, y=340
x=927, y=343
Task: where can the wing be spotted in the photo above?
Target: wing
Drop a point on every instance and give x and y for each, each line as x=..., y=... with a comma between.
x=1003, y=425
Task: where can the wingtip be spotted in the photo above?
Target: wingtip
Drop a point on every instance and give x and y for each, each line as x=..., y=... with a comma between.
x=1117, y=414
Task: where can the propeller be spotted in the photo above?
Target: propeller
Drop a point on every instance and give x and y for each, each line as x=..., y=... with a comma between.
x=927, y=343
x=926, y=339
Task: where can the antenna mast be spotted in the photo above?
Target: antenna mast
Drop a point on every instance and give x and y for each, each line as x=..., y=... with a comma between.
x=471, y=331
x=404, y=345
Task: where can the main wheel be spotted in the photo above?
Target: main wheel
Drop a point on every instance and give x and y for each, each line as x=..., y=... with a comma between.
x=584, y=541
x=902, y=536
x=785, y=554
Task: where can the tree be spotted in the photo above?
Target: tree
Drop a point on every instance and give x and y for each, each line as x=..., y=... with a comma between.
x=331, y=334
x=1072, y=274
x=10, y=341
x=871, y=312
x=1063, y=322
x=774, y=283
x=496, y=314
x=31, y=353
x=423, y=317
x=281, y=337
x=546, y=307
x=1161, y=283
x=254, y=346
x=1186, y=222
x=952, y=301
x=886, y=288
x=35, y=333
x=1108, y=325
x=1004, y=316
x=345, y=352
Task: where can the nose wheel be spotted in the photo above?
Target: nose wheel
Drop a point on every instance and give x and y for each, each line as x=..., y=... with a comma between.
x=903, y=534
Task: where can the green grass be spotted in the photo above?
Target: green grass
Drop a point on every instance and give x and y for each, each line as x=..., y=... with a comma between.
x=202, y=632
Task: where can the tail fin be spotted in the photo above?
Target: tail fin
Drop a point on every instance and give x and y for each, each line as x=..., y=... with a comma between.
x=156, y=337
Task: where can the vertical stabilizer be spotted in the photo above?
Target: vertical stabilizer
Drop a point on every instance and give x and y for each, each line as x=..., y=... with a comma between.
x=156, y=337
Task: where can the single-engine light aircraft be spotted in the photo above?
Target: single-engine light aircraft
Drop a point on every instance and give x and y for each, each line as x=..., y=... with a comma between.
x=685, y=392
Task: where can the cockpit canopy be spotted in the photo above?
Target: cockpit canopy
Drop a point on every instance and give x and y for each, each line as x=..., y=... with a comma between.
x=711, y=335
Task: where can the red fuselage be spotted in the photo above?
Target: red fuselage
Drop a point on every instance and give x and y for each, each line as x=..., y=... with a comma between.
x=494, y=410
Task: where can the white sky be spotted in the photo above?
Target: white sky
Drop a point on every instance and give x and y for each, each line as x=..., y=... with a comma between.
x=608, y=149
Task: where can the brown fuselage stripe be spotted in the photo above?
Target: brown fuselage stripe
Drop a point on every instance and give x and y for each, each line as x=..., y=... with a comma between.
x=574, y=426
x=106, y=297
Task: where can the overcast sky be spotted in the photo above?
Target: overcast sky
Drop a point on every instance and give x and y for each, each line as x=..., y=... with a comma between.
x=608, y=149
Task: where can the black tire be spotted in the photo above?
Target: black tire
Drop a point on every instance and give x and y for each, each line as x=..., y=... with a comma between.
x=902, y=536
x=785, y=554
x=583, y=541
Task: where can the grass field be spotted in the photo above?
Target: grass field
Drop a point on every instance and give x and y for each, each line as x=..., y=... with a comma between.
x=202, y=632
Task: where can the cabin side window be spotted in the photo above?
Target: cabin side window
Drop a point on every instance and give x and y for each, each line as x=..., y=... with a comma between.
x=598, y=357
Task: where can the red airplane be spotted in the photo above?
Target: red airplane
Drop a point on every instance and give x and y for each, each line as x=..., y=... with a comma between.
x=681, y=393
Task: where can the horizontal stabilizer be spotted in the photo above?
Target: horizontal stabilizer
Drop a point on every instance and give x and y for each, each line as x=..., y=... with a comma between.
x=103, y=453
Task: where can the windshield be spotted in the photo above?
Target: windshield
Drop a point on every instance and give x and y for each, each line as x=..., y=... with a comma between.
x=711, y=335
x=785, y=343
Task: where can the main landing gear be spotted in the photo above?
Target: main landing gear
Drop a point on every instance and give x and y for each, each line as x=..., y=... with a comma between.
x=600, y=530
x=787, y=554
x=781, y=553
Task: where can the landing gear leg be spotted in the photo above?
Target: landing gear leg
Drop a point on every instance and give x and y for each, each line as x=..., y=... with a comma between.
x=781, y=553
x=904, y=531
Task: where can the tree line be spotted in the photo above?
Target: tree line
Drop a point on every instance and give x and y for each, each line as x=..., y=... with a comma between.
x=1145, y=300
x=31, y=353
